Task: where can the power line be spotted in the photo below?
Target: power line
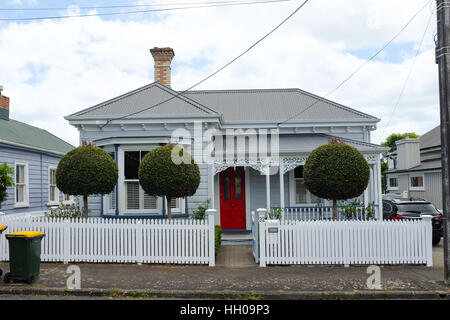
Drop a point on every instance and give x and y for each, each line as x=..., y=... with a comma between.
x=144, y=11
x=360, y=67
x=120, y=6
x=214, y=73
x=408, y=76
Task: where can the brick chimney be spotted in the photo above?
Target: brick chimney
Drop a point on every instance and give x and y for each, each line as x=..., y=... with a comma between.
x=4, y=106
x=163, y=57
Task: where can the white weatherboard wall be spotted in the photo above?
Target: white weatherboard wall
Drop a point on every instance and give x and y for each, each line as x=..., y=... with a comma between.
x=345, y=242
x=181, y=241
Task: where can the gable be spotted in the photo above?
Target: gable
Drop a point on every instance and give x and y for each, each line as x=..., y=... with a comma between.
x=151, y=100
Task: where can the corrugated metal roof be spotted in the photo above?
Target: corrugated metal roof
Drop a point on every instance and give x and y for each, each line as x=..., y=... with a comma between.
x=274, y=105
x=24, y=134
x=431, y=139
x=433, y=164
x=144, y=99
x=270, y=105
x=294, y=142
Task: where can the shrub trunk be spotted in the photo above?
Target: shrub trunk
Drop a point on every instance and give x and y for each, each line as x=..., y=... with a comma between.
x=334, y=209
x=85, y=206
x=169, y=208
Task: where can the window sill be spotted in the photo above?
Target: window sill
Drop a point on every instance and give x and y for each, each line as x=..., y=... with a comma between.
x=416, y=189
x=21, y=205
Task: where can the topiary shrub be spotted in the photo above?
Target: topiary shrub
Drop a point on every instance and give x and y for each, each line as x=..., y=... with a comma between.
x=336, y=171
x=86, y=170
x=160, y=174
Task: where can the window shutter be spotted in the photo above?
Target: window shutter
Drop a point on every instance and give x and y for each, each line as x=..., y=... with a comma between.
x=133, y=195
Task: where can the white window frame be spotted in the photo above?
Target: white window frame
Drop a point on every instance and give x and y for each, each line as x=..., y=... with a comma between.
x=108, y=198
x=180, y=208
x=413, y=175
x=123, y=187
x=26, y=202
x=293, y=191
x=57, y=194
x=388, y=178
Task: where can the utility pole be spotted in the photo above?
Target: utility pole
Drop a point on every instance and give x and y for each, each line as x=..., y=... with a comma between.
x=443, y=61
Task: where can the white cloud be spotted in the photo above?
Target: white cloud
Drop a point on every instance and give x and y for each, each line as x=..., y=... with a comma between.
x=51, y=69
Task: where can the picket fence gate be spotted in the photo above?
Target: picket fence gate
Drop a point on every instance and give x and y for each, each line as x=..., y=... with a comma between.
x=181, y=241
x=344, y=242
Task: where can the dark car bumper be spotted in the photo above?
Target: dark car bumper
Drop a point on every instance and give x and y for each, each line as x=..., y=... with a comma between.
x=438, y=229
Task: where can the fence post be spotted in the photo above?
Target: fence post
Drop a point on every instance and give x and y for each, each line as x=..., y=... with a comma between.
x=210, y=213
x=426, y=219
x=346, y=241
x=66, y=239
x=255, y=233
x=261, y=214
x=139, y=247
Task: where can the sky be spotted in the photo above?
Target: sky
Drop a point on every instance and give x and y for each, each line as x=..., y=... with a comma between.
x=53, y=68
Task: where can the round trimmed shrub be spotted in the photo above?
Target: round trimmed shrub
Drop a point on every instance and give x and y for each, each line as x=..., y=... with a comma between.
x=86, y=170
x=160, y=175
x=336, y=171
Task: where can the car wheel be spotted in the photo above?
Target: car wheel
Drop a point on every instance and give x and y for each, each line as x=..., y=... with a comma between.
x=30, y=279
x=7, y=278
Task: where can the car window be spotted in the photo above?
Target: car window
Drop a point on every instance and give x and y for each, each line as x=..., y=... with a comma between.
x=416, y=207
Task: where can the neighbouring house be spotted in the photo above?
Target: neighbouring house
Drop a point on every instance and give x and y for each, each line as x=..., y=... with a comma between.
x=257, y=157
x=415, y=168
x=33, y=154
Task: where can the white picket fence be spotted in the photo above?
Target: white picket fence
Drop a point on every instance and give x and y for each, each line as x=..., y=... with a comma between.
x=181, y=241
x=308, y=213
x=345, y=242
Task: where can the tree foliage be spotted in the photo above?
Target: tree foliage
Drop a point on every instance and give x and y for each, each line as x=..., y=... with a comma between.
x=391, y=139
x=336, y=171
x=160, y=175
x=5, y=181
x=86, y=170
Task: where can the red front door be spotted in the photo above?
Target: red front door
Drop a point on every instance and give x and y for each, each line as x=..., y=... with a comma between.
x=232, y=198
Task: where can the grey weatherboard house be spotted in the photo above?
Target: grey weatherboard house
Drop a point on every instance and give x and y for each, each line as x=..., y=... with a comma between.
x=415, y=168
x=33, y=154
x=131, y=124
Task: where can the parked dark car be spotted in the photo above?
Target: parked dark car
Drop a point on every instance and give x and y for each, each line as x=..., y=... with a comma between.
x=413, y=208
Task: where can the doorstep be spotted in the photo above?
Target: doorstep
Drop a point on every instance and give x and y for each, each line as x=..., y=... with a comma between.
x=236, y=237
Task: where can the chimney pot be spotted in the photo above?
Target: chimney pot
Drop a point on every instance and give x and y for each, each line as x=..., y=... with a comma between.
x=163, y=58
x=4, y=106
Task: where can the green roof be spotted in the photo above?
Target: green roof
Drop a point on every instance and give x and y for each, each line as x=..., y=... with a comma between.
x=17, y=132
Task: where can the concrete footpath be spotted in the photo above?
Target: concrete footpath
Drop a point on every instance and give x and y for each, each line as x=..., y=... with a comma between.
x=236, y=276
